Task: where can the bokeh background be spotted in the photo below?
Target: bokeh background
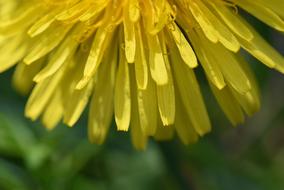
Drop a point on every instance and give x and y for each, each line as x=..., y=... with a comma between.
x=248, y=157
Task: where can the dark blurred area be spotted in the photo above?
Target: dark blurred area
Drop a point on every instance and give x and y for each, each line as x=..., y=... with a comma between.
x=248, y=157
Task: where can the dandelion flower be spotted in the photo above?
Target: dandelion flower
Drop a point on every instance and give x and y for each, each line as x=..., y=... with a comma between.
x=135, y=60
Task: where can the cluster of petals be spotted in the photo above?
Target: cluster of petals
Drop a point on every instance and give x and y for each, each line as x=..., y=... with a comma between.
x=136, y=60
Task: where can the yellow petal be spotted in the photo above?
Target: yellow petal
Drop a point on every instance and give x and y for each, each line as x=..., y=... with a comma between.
x=203, y=21
x=229, y=66
x=53, y=112
x=27, y=16
x=77, y=103
x=264, y=52
x=185, y=49
x=46, y=42
x=188, y=88
x=41, y=94
x=141, y=68
x=208, y=61
x=129, y=38
x=138, y=136
x=24, y=84
x=183, y=124
x=100, y=42
x=13, y=51
x=263, y=13
x=223, y=33
x=147, y=108
x=122, y=99
x=42, y=24
x=101, y=107
x=233, y=21
x=229, y=104
x=156, y=61
x=134, y=10
x=64, y=52
x=275, y=5
x=166, y=95
x=250, y=101
x=73, y=13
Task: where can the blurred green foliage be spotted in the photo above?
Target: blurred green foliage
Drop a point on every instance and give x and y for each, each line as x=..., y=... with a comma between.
x=249, y=157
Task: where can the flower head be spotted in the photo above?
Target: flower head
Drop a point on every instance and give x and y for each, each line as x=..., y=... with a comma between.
x=136, y=60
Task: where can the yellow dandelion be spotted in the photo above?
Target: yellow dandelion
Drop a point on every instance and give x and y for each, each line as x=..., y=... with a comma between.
x=136, y=60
